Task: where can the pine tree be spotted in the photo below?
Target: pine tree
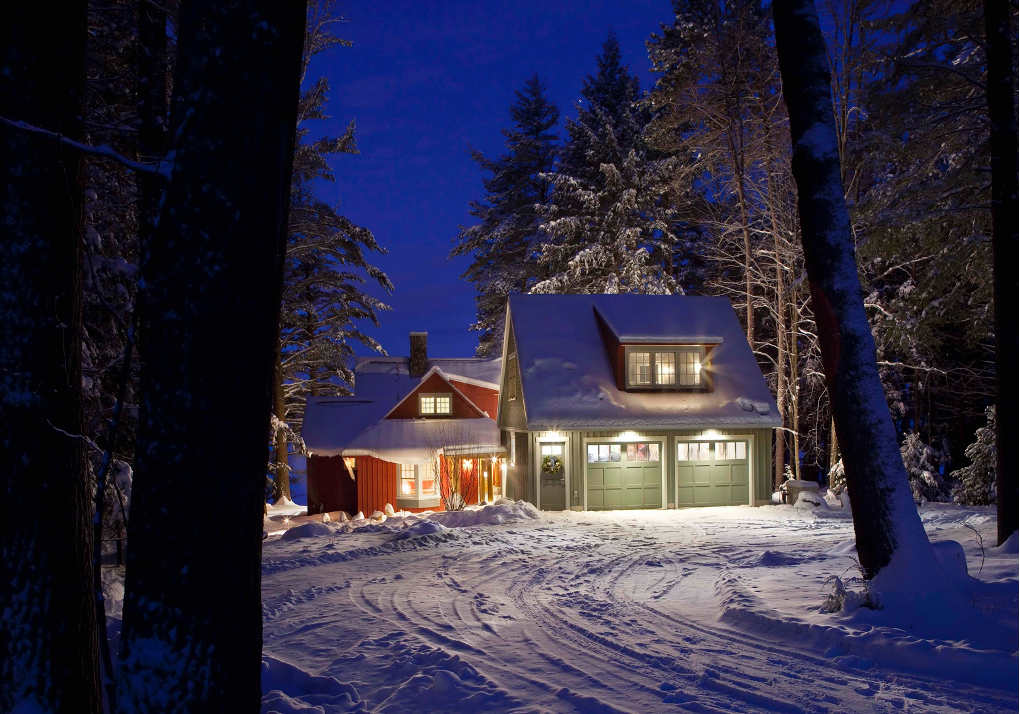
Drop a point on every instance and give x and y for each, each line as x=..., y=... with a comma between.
x=504, y=245
x=609, y=231
x=48, y=632
x=924, y=464
x=325, y=268
x=976, y=482
x=212, y=276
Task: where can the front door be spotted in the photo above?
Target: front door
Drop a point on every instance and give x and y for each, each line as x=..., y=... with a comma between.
x=552, y=477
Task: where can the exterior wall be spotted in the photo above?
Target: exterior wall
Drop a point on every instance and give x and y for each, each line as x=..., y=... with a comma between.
x=511, y=412
x=519, y=481
x=377, y=484
x=485, y=399
x=330, y=487
x=761, y=450
x=408, y=408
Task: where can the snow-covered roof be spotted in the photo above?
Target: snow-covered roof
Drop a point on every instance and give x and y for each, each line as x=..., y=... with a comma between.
x=330, y=423
x=567, y=379
x=418, y=441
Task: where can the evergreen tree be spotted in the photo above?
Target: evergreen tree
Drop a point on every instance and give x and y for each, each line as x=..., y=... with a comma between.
x=609, y=230
x=976, y=482
x=325, y=267
x=504, y=245
x=924, y=464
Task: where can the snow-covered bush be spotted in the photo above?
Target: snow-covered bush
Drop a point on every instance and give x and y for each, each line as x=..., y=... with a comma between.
x=837, y=478
x=976, y=485
x=923, y=463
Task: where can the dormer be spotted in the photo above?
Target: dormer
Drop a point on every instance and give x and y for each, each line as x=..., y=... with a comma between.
x=657, y=360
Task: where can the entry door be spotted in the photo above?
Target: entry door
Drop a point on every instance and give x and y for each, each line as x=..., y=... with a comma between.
x=712, y=473
x=552, y=477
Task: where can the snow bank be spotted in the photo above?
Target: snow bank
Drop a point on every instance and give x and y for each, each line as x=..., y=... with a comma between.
x=307, y=530
x=421, y=528
x=502, y=512
x=288, y=689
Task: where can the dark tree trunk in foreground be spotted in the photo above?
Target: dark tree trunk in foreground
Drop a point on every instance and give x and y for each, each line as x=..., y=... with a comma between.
x=48, y=634
x=1002, y=115
x=192, y=632
x=885, y=517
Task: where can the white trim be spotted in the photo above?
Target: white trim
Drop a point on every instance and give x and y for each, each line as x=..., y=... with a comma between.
x=552, y=438
x=637, y=437
x=718, y=437
x=502, y=363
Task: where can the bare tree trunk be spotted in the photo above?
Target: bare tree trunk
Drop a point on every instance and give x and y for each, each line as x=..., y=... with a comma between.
x=886, y=522
x=833, y=444
x=281, y=476
x=192, y=632
x=795, y=382
x=1003, y=144
x=48, y=632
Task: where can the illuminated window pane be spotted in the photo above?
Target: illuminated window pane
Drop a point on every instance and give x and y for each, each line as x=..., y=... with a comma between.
x=653, y=452
x=639, y=368
x=603, y=452
x=681, y=452
x=407, y=486
x=631, y=452
x=690, y=369
x=614, y=452
x=703, y=451
x=428, y=405
x=443, y=404
x=665, y=368
x=741, y=450
x=642, y=452
x=593, y=453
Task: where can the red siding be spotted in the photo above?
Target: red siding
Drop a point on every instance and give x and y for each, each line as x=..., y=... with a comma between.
x=484, y=398
x=330, y=488
x=377, y=484
x=408, y=408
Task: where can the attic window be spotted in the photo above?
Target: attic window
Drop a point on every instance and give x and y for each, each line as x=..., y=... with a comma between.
x=665, y=367
x=435, y=404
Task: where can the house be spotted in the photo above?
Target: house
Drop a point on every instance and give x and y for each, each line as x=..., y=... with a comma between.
x=632, y=401
x=414, y=430
x=598, y=402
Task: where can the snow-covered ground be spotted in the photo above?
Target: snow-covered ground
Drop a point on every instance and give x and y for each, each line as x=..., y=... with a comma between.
x=710, y=610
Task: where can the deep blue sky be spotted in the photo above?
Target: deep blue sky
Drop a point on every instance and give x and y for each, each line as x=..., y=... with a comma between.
x=424, y=81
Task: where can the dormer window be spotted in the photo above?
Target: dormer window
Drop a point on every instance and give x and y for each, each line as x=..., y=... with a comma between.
x=435, y=404
x=665, y=367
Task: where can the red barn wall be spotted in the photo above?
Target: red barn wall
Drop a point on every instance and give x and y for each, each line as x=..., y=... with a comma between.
x=408, y=409
x=330, y=488
x=484, y=398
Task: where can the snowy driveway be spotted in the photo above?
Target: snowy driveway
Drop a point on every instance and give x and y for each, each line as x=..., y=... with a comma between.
x=700, y=610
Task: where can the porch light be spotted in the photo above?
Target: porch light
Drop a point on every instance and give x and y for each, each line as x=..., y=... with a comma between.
x=467, y=464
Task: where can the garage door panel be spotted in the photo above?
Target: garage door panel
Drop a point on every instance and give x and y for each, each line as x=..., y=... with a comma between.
x=738, y=474
x=713, y=477
x=626, y=481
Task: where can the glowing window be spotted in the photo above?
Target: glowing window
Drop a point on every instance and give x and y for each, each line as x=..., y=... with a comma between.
x=434, y=404
x=639, y=368
x=407, y=481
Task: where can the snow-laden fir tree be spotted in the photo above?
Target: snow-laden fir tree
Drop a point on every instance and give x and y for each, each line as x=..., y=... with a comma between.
x=326, y=266
x=504, y=244
x=924, y=464
x=976, y=481
x=608, y=228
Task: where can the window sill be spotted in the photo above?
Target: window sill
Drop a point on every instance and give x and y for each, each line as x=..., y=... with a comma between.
x=424, y=502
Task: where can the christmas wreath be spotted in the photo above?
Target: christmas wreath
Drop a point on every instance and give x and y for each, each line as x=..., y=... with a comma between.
x=552, y=464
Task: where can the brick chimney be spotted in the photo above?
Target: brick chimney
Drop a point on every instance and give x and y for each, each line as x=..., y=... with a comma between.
x=418, y=364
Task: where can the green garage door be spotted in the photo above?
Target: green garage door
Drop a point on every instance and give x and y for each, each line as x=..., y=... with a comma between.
x=712, y=473
x=624, y=476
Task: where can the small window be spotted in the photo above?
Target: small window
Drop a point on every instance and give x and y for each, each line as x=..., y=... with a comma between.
x=408, y=489
x=730, y=450
x=639, y=368
x=511, y=379
x=434, y=404
x=692, y=451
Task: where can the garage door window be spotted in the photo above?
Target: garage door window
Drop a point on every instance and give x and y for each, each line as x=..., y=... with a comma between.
x=693, y=451
x=603, y=452
x=642, y=452
x=730, y=451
